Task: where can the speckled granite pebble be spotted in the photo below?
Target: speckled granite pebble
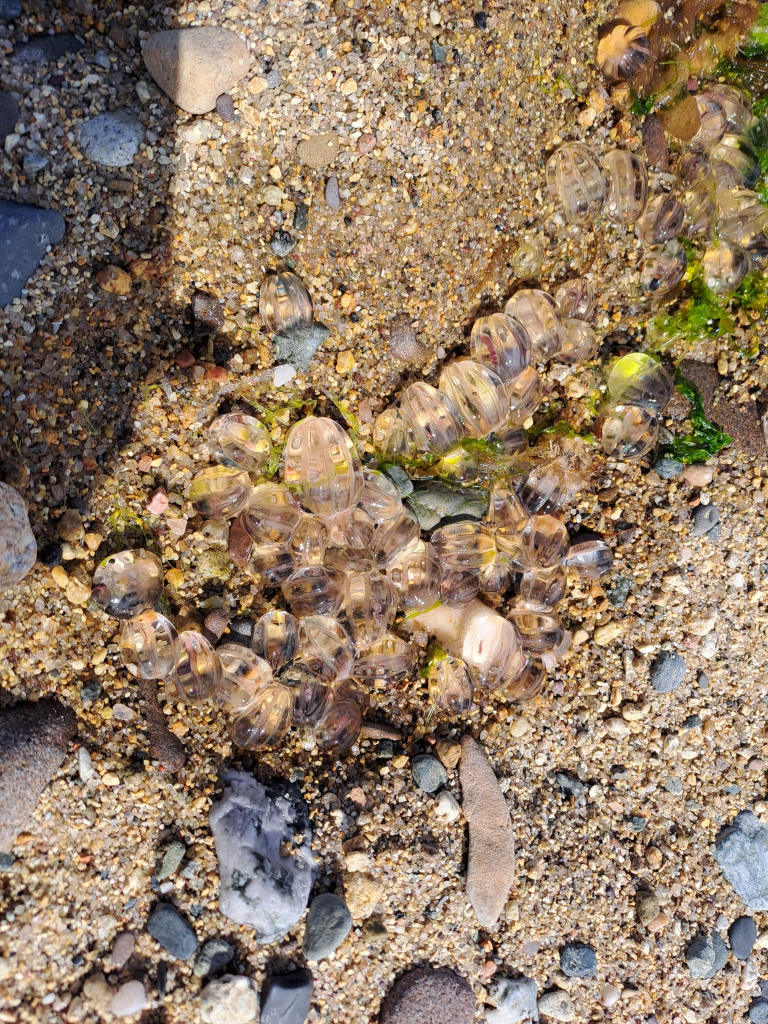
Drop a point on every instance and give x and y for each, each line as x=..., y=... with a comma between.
x=427, y=996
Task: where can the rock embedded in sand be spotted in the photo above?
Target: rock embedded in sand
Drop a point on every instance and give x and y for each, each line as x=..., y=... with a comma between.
x=25, y=234
x=429, y=996
x=287, y=998
x=194, y=66
x=232, y=999
x=18, y=548
x=741, y=850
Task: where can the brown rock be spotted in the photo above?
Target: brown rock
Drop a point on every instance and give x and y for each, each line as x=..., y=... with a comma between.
x=681, y=121
x=646, y=906
x=449, y=752
x=658, y=924
x=194, y=66
x=379, y=731
x=655, y=142
x=365, y=143
x=491, y=862
x=319, y=151
x=158, y=263
x=164, y=747
x=114, y=280
x=70, y=526
x=653, y=857
x=403, y=343
x=740, y=421
x=428, y=996
x=240, y=543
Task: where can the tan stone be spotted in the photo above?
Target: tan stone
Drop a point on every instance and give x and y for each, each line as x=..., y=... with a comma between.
x=196, y=65
x=617, y=728
x=362, y=892
x=605, y=634
x=682, y=121
x=449, y=752
x=77, y=592
x=319, y=151
x=114, y=280
x=653, y=857
x=658, y=924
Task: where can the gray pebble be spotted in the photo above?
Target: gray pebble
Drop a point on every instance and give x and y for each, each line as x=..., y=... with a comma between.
x=428, y=773
x=706, y=955
x=298, y=345
x=758, y=1012
x=282, y=243
x=438, y=501
x=673, y=784
x=173, y=931
x=33, y=163
x=692, y=722
x=667, y=467
x=401, y=480
x=619, y=591
x=570, y=786
x=328, y=924
x=637, y=823
x=703, y=520
x=332, y=196
x=112, y=139
x=172, y=858
x=667, y=672
x=742, y=936
x=301, y=216
x=741, y=850
x=578, y=960
x=25, y=234
x=702, y=681
x=85, y=767
x=273, y=78
x=438, y=52
x=102, y=59
x=90, y=692
x=225, y=107
x=287, y=998
x=215, y=954
x=42, y=49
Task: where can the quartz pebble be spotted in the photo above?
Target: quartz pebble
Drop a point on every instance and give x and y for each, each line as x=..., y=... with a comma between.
x=514, y=1001
x=129, y=999
x=232, y=999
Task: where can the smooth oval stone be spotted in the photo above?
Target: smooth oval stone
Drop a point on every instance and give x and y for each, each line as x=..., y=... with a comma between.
x=328, y=924
x=742, y=936
x=428, y=773
x=112, y=139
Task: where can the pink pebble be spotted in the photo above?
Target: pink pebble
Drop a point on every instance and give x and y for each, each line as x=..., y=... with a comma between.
x=158, y=502
x=177, y=527
x=145, y=463
x=217, y=373
x=184, y=358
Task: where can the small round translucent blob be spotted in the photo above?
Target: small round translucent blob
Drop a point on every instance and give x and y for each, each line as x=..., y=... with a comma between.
x=700, y=212
x=147, y=645
x=351, y=529
x=381, y=499
x=478, y=395
x=349, y=560
x=387, y=659
x=459, y=587
x=464, y=547
x=432, y=418
x=662, y=220
x=524, y=394
x=543, y=586
x=695, y=171
x=623, y=51
x=221, y=492
x=527, y=260
x=505, y=510
x=544, y=489
x=321, y=466
x=266, y=722
x=544, y=541
x=392, y=436
x=510, y=439
x=639, y=379
x=712, y=124
x=627, y=187
x=735, y=103
x=325, y=647
x=727, y=188
x=274, y=562
x=756, y=132
x=239, y=440
x=394, y=536
x=357, y=690
x=370, y=606
x=737, y=153
x=314, y=590
x=539, y=628
x=501, y=342
x=590, y=557
x=338, y=729
x=496, y=577
x=579, y=343
x=196, y=670
x=450, y=685
x=416, y=574
x=276, y=638
x=538, y=312
x=244, y=674
x=128, y=583
x=272, y=515
x=309, y=541
x=725, y=266
x=576, y=298
x=526, y=684
x=458, y=466
x=575, y=178
x=630, y=432
x=310, y=699
x=284, y=302
x=746, y=222
x=663, y=268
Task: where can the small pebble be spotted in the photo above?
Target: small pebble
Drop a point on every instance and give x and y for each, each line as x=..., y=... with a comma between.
x=578, y=960
x=213, y=955
x=557, y=1005
x=173, y=932
x=667, y=467
x=428, y=774
x=123, y=947
x=667, y=672
x=282, y=243
x=225, y=107
x=172, y=858
x=282, y=374
x=85, y=767
x=129, y=999
x=301, y=216
x=742, y=936
x=481, y=21
x=328, y=924
x=332, y=197
x=447, y=807
x=704, y=519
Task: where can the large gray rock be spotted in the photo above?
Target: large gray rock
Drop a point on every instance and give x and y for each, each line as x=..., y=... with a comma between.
x=112, y=139
x=428, y=996
x=25, y=234
x=18, y=547
x=43, y=49
x=741, y=850
x=194, y=66
x=287, y=998
x=261, y=884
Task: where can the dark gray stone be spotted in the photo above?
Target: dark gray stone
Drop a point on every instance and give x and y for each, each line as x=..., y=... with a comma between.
x=401, y=480
x=570, y=786
x=33, y=163
x=741, y=850
x=637, y=823
x=44, y=49
x=704, y=519
x=438, y=52
x=173, y=931
x=328, y=924
x=287, y=998
x=91, y=691
x=301, y=216
x=692, y=722
x=667, y=467
x=578, y=960
x=240, y=632
x=214, y=954
x=298, y=346
x=428, y=773
x=112, y=139
x=10, y=10
x=667, y=672
x=619, y=591
x=282, y=243
x=706, y=955
x=25, y=234
x=9, y=114
x=225, y=107
x=742, y=935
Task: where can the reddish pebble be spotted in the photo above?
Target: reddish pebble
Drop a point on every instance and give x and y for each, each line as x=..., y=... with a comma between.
x=365, y=412
x=488, y=969
x=216, y=622
x=357, y=797
x=217, y=373
x=240, y=544
x=184, y=358
x=365, y=143
x=89, y=464
x=145, y=463
x=158, y=502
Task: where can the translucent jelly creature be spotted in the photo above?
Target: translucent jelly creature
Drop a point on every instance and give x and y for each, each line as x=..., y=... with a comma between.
x=630, y=432
x=662, y=220
x=735, y=103
x=501, y=342
x=478, y=395
x=310, y=699
x=576, y=299
x=737, y=153
x=309, y=541
x=392, y=435
x=524, y=394
x=539, y=628
x=496, y=577
x=274, y=562
x=416, y=574
x=627, y=187
x=695, y=171
x=623, y=51
x=639, y=379
x=239, y=440
x=712, y=123
x=244, y=675
x=338, y=729
x=128, y=583
x=394, y=535
x=544, y=489
x=510, y=439
x=432, y=418
x=221, y=492
x=459, y=587
x=460, y=466
x=370, y=606
x=746, y=223
x=538, y=313
x=387, y=659
x=579, y=343
x=575, y=178
x=505, y=510
x=276, y=638
x=590, y=556
x=725, y=266
x=321, y=466
x=357, y=690
x=464, y=547
x=663, y=268
x=450, y=685
x=381, y=499
x=543, y=586
x=700, y=212
x=544, y=542
x=526, y=684
x=325, y=647
x=527, y=260
x=266, y=722
x=196, y=671
x=272, y=515
x=314, y=590
x=351, y=529
x=147, y=645
x=284, y=303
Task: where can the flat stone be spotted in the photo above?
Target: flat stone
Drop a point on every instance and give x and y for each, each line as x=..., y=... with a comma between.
x=667, y=672
x=428, y=773
x=172, y=858
x=704, y=520
x=328, y=924
x=44, y=49
x=129, y=999
x=112, y=139
x=213, y=955
x=557, y=1005
x=232, y=999
x=298, y=345
x=741, y=850
x=286, y=998
x=380, y=731
x=18, y=547
x=578, y=960
x=742, y=936
x=515, y=1001
x=319, y=151
x=9, y=114
x=429, y=996
x=173, y=931
x=706, y=955
x=25, y=234
x=194, y=66
x=10, y=10
x=123, y=947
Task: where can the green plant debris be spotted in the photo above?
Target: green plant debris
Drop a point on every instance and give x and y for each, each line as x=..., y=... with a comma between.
x=755, y=47
x=435, y=654
x=642, y=106
x=353, y=424
x=422, y=611
x=705, y=440
x=123, y=520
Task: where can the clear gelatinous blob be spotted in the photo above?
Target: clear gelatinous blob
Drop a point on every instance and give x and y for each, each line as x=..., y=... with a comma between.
x=310, y=699
x=527, y=261
x=416, y=574
x=737, y=153
x=727, y=187
x=543, y=490
x=147, y=645
x=662, y=220
x=700, y=212
x=639, y=379
x=239, y=440
x=309, y=541
x=284, y=302
x=221, y=492
x=478, y=395
x=326, y=647
x=275, y=562
x=663, y=268
x=576, y=298
x=630, y=432
x=575, y=178
x=695, y=171
x=450, y=685
x=543, y=586
x=490, y=643
x=579, y=343
x=196, y=669
x=525, y=684
x=459, y=587
x=458, y=466
x=392, y=436
x=497, y=576
x=735, y=103
x=244, y=674
x=387, y=659
x=510, y=439
x=370, y=606
x=128, y=583
x=338, y=729
x=712, y=123
x=623, y=51
x=381, y=499
x=539, y=628
x=314, y=590
x=351, y=529
x=725, y=265
x=272, y=515
x=394, y=535
x=746, y=223
x=505, y=510
x=463, y=547
x=357, y=690
x=590, y=557
x=539, y=314
x=544, y=542
x=349, y=560
x=276, y=638
x=524, y=394
x=627, y=187
x=434, y=422
x=321, y=466
x=756, y=132
x=501, y=342
x=266, y=722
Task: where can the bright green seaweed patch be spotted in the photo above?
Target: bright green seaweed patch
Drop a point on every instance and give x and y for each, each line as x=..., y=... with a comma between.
x=701, y=315
x=705, y=440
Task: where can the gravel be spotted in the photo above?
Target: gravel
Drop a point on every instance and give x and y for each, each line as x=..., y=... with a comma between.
x=428, y=773
x=173, y=855
x=328, y=924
